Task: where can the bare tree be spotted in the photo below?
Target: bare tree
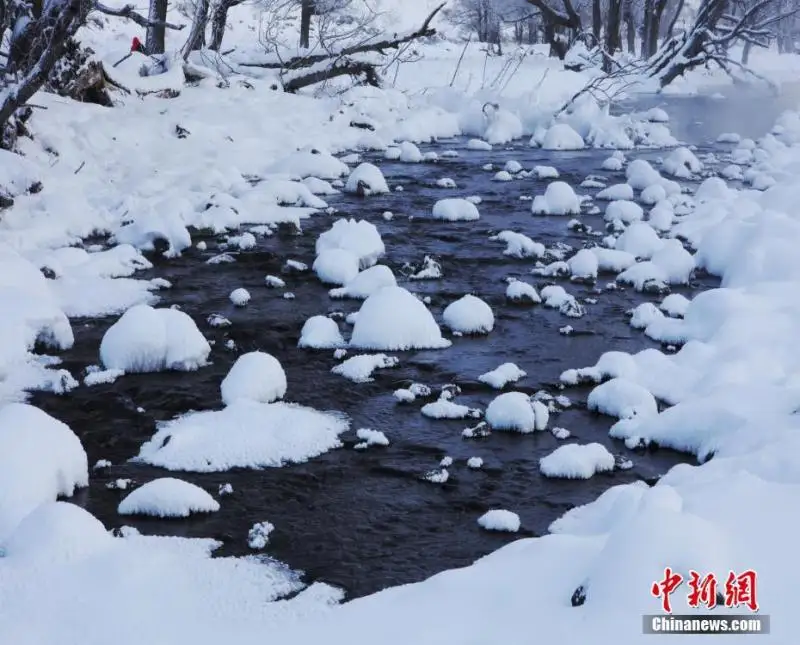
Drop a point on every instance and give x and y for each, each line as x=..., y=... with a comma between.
x=219, y=20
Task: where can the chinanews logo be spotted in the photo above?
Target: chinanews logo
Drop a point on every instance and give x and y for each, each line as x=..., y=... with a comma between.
x=706, y=591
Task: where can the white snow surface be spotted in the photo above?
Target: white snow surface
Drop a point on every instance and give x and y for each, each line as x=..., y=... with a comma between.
x=499, y=520
x=455, y=210
x=515, y=411
x=145, y=339
x=469, y=315
x=359, y=237
x=559, y=199
x=255, y=376
x=168, y=497
x=501, y=376
x=365, y=283
x=359, y=368
x=577, y=461
x=320, y=332
x=392, y=319
x=245, y=434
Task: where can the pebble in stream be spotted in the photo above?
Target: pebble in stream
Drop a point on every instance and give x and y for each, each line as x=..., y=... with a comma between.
x=367, y=519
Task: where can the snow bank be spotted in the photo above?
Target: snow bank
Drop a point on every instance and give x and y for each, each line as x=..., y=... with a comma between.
x=151, y=340
x=392, y=319
x=577, y=461
x=469, y=315
x=455, y=210
x=245, y=434
x=255, y=376
x=40, y=460
x=168, y=497
x=499, y=520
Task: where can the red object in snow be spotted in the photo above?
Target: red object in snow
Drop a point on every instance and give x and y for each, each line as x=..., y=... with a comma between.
x=136, y=45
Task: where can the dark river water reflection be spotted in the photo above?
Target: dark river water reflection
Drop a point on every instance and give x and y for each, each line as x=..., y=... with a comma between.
x=365, y=520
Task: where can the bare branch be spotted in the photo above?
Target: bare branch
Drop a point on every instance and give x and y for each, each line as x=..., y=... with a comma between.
x=128, y=12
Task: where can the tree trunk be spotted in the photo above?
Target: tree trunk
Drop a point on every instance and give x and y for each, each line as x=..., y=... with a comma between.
x=746, y=52
x=648, y=19
x=219, y=20
x=306, y=11
x=597, y=20
x=613, y=40
x=197, y=35
x=630, y=27
x=653, y=26
x=156, y=32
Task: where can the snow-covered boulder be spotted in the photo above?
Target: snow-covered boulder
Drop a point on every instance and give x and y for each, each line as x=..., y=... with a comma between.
x=336, y=266
x=359, y=368
x=584, y=264
x=357, y=236
x=151, y=340
x=561, y=136
x=392, y=319
x=623, y=399
x=577, y=461
x=558, y=199
x=469, y=315
x=255, y=376
x=519, y=245
x=522, y=292
x=624, y=211
x=366, y=283
x=320, y=332
x=455, y=210
x=366, y=180
x=501, y=376
x=499, y=520
x=640, y=240
x=515, y=411
x=168, y=497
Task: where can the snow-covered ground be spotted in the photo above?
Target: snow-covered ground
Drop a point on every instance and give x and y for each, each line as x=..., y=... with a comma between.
x=732, y=389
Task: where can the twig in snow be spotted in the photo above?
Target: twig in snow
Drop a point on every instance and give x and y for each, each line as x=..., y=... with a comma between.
x=83, y=163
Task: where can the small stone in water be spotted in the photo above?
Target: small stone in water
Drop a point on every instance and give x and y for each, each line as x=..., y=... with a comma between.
x=474, y=463
x=230, y=344
x=439, y=476
x=218, y=320
x=339, y=354
x=388, y=215
x=566, y=330
x=119, y=484
x=102, y=463
x=446, y=461
x=201, y=246
x=288, y=295
x=225, y=489
x=258, y=536
x=560, y=433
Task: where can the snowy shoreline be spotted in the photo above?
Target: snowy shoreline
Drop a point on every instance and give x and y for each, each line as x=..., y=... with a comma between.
x=733, y=385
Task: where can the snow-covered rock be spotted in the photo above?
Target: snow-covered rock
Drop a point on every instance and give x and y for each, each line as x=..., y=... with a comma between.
x=499, y=520
x=455, y=210
x=168, y=497
x=359, y=368
x=501, y=376
x=366, y=283
x=336, y=266
x=561, y=136
x=469, y=315
x=255, y=376
x=577, y=461
x=515, y=411
x=359, y=237
x=151, y=340
x=367, y=179
x=558, y=199
x=320, y=332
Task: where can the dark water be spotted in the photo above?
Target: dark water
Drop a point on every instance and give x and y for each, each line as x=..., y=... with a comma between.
x=366, y=520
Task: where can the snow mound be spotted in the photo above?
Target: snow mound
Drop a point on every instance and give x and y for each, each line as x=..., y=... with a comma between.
x=336, y=266
x=675, y=304
x=577, y=461
x=519, y=245
x=240, y=297
x=243, y=435
x=41, y=459
x=501, y=376
x=445, y=408
x=455, y=210
x=641, y=174
x=640, y=240
x=359, y=368
x=320, y=332
x=616, y=192
x=623, y=399
x=682, y=163
x=545, y=172
x=409, y=153
x=520, y=291
x=561, y=136
x=303, y=164
x=515, y=411
x=624, y=211
x=584, y=264
x=469, y=315
x=613, y=260
x=168, y=497
x=499, y=520
x=366, y=180
x=255, y=376
x=558, y=199
x=359, y=237
x=366, y=283
x=392, y=319
x=56, y=532
x=151, y=340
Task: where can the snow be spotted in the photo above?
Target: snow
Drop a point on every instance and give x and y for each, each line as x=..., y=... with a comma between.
x=519, y=245
x=515, y=411
x=477, y=144
x=409, y=153
x=623, y=399
x=499, y=520
x=469, y=315
x=455, y=210
x=613, y=260
x=336, y=266
x=584, y=264
x=240, y=297
x=145, y=339
x=258, y=535
x=168, y=497
x=256, y=377
x=558, y=199
x=616, y=192
x=545, y=172
x=392, y=319
x=359, y=368
x=320, y=332
x=562, y=137
x=366, y=283
x=475, y=463
x=675, y=304
x=445, y=408
x=682, y=163
x=372, y=437
x=577, y=461
x=359, y=237
x=520, y=291
x=40, y=459
x=368, y=180
x=624, y=211
x=501, y=376
x=245, y=434
x=639, y=240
